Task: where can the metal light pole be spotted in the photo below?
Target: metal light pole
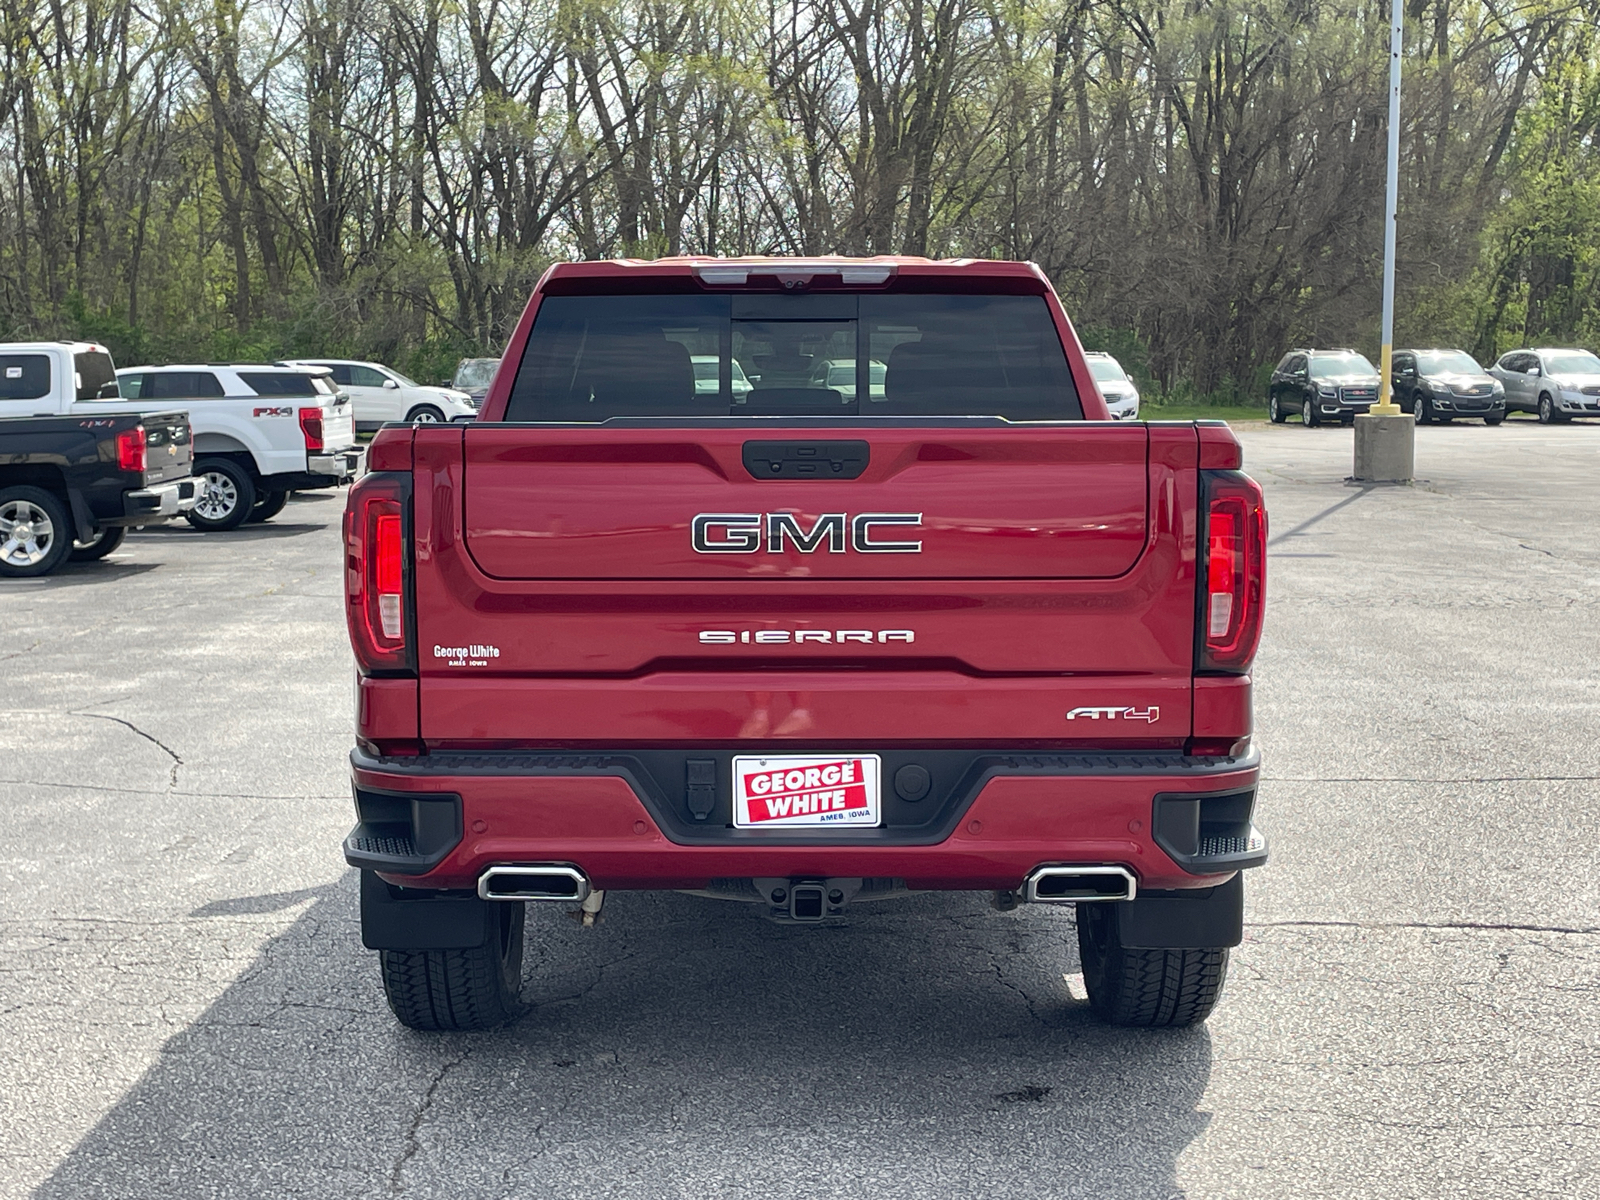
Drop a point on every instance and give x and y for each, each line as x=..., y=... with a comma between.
x=1385, y=437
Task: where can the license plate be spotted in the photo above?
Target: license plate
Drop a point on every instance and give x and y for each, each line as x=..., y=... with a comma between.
x=806, y=789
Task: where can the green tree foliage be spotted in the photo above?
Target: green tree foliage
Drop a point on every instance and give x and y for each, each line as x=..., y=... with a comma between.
x=1202, y=179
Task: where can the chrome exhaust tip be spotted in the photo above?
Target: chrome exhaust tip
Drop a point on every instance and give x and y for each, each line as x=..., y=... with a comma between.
x=535, y=881
x=1079, y=885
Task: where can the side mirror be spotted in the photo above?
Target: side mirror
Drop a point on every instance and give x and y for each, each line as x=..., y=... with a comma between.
x=1535, y=371
x=391, y=385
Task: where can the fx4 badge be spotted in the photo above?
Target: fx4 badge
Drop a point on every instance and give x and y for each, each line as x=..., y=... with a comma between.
x=1112, y=714
x=743, y=533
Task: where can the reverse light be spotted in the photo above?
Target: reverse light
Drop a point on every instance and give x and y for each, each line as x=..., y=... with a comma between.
x=377, y=574
x=131, y=444
x=1234, y=572
x=311, y=427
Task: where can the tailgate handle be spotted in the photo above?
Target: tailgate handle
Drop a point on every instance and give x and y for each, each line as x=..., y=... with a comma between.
x=806, y=460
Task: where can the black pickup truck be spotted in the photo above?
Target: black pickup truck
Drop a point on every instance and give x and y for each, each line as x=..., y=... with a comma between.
x=71, y=485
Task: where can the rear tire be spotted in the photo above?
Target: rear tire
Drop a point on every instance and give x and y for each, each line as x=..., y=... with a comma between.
x=106, y=539
x=438, y=990
x=1145, y=988
x=268, y=506
x=1493, y=420
x=1275, y=412
x=35, y=532
x=227, y=496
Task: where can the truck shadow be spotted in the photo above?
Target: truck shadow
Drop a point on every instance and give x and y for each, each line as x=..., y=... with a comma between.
x=70, y=575
x=266, y=529
x=683, y=1047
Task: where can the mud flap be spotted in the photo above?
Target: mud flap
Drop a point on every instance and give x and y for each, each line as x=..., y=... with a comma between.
x=1204, y=919
x=404, y=919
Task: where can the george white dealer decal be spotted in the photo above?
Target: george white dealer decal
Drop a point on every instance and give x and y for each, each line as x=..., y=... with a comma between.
x=466, y=656
x=1111, y=714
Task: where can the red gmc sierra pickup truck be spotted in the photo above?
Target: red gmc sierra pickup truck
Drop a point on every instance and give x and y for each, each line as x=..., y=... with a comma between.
x=803, y=583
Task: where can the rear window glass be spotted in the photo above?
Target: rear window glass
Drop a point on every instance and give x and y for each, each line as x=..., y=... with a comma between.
x=24, y=376
x=97, y=377
x=285, y=383
x=180, y=385
x=592, y=358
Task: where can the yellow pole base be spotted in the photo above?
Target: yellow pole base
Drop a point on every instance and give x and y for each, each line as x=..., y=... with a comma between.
x=1387, y=409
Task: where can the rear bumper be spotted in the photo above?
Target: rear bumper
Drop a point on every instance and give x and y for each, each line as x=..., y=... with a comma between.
x=156, y=503
x=342, y=464
x=438, y=821
x=322, y=471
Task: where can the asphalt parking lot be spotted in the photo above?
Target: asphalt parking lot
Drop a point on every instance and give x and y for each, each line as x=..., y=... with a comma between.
x=187, y=1010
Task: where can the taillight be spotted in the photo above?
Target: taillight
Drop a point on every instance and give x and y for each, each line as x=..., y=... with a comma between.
x=377, y=573
x=311, y=426
x=130, y=449
x=1233, y=572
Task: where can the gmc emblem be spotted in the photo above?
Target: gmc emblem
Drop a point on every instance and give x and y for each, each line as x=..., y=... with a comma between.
x=744, y=533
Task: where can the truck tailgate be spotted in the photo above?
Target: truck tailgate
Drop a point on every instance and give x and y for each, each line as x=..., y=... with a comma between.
x=988, y=503
x=338, y=423
x=169, y=449
x=973, y=583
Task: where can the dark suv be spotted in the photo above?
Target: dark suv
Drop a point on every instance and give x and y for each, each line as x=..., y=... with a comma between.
x=1440, y=385
x=1322, y=385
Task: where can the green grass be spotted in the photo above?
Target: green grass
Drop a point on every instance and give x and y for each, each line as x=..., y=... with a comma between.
x=1201, y=412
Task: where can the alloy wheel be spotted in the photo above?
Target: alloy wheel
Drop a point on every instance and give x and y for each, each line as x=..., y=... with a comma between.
x=218, y=496
x=26, y=533
x=1306, y=413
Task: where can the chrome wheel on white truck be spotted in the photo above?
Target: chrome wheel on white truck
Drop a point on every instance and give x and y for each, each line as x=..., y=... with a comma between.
x=227, y=495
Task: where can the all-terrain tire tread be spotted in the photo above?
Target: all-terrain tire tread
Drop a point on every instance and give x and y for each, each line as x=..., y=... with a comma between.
x=1156, y=988
x=437, y=990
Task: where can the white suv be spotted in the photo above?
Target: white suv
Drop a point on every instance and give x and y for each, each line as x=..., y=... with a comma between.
x=1121, y=397
x=381, y=394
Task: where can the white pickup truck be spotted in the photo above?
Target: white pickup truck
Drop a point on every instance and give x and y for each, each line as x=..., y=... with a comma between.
x=260, y=432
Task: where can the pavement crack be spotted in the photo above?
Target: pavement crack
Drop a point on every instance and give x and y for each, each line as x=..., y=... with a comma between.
x=412, y=1143
x=121, y=791
x=177, y=760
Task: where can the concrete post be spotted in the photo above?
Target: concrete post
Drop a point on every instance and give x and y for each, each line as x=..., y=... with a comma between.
x=1385, y=448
